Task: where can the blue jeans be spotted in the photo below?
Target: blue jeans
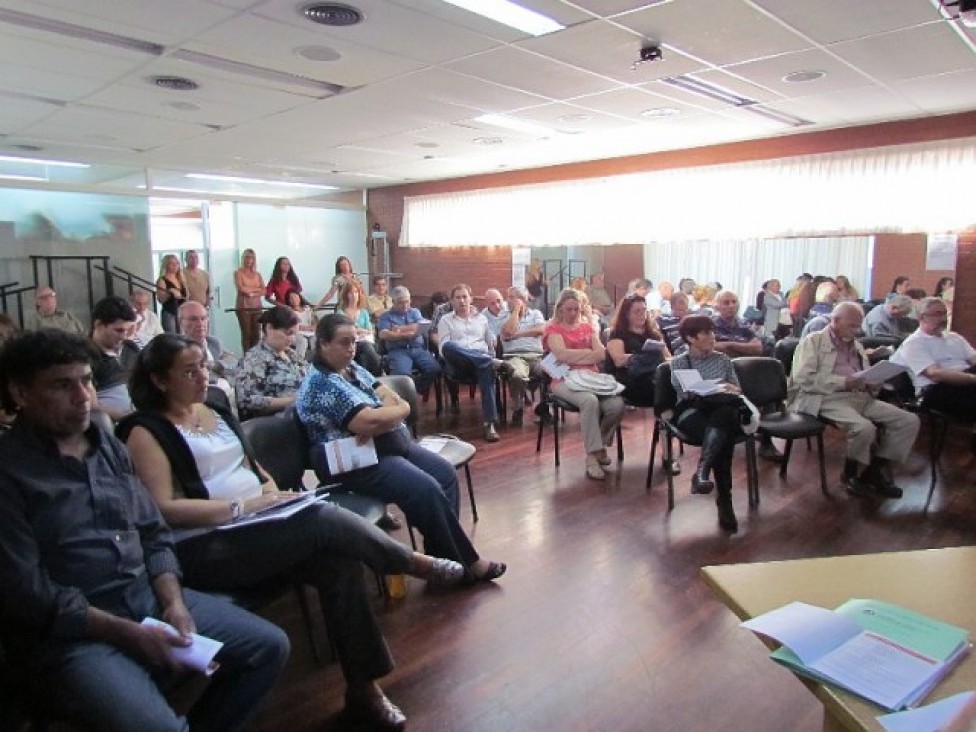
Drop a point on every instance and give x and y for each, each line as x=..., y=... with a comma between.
x=468, y=361
x=425, y=487
x=402, y=361
x=105, y=689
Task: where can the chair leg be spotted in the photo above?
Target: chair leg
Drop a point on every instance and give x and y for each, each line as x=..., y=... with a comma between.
x=620, y=444
x=655, y=436
x=752, y=473
x=823, y=466
x=474, y=506
x=555, y=430
x=538, y=438
x=940, y=428
x=668, y=456
x=787, y=451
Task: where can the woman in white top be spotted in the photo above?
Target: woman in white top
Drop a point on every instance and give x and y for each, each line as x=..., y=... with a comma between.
x=202, y=474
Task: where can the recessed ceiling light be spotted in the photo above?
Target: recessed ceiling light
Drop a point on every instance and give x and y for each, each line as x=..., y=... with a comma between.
x=332, y=14
x=318, y=53
x=510, y=14
x=658, y=112
x=174, y=83
x=487, y=141
x=801, y=77
x=183, y=106
x=427, y=145
x=575, y=119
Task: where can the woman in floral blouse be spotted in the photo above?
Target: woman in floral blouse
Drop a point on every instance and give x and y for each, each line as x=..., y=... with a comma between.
x=271, y=372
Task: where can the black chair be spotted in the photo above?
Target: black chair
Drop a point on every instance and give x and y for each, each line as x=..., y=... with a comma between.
x=784, y=351
x=665, y=401
x=455, y=450
x=451, y=380
x=558, y=408
x=763, y=382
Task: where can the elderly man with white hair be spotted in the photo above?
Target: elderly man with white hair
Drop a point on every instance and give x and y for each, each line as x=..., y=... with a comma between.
x=824, y=383
x=406, y=349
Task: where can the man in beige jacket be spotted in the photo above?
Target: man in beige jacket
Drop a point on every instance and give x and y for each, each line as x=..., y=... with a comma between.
x=824, y=383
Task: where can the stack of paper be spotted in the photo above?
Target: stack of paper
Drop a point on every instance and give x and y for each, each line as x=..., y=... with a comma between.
x=691, y=381
x=884, y=653
x=199, y=655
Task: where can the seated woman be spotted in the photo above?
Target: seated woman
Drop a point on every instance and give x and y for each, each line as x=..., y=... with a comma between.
x=339, y=398
x=574, y=341
x=714, y=420
x=201, y=473
x=352, y=303
x=628, y=360
x=306, y=323
x=270, y=373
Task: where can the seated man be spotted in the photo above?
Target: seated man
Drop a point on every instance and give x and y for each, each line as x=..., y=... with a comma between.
x=823, y=384
x=195, y=325
x=940, y=362
x=147, y=325
x=380, y=300
x=600, y=299
x=468, y=346
x=887, y=319
x=522, y=347
x=111, y=320
x=47, y=314
x=495, y=311
x=735, y=337
x=85, y=557
x=405, y=350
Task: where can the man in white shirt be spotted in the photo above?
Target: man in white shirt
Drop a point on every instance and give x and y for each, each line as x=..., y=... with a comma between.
x=521, y=346
x=940, y=362
x=468, y=346
x=147, y=325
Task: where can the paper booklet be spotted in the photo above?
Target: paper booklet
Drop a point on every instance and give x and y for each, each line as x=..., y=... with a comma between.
x=199, y=655
x=422, y=327
x=692, y=381
x=879, y=651
x=275, y=512
x=880, y=372
x=552, y=367
x=347, y=454
x=652, y=345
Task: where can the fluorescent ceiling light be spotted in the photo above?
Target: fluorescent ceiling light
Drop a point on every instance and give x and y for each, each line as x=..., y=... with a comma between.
x=706, y=89
x=510, y=14
x=38, y=161
x=258, y=181
x=510, y=123
x=201, y=192
x=777, y=116
x=3, y=176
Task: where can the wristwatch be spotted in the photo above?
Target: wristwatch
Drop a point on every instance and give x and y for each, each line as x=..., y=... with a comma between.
x=236, y=510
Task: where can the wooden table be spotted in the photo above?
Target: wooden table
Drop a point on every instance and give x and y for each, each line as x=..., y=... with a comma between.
x=936, y=582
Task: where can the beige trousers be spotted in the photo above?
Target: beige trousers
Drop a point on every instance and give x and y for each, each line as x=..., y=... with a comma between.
x=599, y=416
x=859, y=415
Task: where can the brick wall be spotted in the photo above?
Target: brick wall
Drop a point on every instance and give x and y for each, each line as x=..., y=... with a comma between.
x=964, y=305
x=903, y=254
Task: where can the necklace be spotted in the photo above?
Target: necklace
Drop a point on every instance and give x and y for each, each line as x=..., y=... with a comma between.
x=194, y=424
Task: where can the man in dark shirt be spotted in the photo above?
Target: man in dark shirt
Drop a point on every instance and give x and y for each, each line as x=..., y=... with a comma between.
x=85, y=557
x=112, y=319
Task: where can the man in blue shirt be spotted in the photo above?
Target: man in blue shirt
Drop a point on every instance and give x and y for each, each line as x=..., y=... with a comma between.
x=85, y=557
x=406, y=350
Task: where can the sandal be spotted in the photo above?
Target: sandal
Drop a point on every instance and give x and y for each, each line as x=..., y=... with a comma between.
x=445, y=572
x=593, y=468
x=493, y=572
x=603, y=458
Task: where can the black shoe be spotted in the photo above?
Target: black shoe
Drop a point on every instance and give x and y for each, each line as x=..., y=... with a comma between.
x=491, y=434
x=543, y=413
x=389, y=522
x=857, y=486
x=878, y=475
x=517, y=417
x=701, y=485
x=723, y=500
x=375, y=713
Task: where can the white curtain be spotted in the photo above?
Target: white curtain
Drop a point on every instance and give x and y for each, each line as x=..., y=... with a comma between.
x=900, y=188
x=743, y=265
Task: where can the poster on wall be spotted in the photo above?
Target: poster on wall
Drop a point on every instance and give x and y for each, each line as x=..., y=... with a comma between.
x=941, y=251
x=521, y=258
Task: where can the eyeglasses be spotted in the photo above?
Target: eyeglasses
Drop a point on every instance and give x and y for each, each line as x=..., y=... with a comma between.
x=193, y=374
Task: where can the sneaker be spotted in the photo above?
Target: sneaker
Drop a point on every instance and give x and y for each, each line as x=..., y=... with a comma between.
x=491, y=434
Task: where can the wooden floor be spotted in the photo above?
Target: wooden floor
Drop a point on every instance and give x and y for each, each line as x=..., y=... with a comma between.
x=602, y=622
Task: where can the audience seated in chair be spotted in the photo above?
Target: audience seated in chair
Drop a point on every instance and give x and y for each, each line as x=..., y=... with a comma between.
x=47, y=314
x=888, y=319
x=202, y=473
x=823, y=384
x=147, y=323
x=352, y=303
x=467, y=346
x=269, y=375
x=627, y=358
x=79, y=574
x=521, y=338
x=575, y=342
x=406, y=351
x=111, y=319
x=668, y=324
x=339, y=400
x=194, y=323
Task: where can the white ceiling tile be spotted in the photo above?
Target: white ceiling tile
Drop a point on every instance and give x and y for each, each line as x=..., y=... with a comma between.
x=769, y=73
x=954, y=92
x=829, y=21
x=80, y=124
x=631, y=102
x=926, y=51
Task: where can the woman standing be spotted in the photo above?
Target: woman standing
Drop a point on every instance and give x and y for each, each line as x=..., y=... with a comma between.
x=715, y=419
x=352, y=303
x=576, y=343
x=283, y=279
x=202, y=474
x=340, y=399
x=773, y=304
x=250, y=287
x=270, y=373
x=343, y=276
x=628, y=360
x=171, y=292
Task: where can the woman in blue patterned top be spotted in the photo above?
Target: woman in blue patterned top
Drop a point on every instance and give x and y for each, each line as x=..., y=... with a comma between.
x=270, y=373
x=714, y=420
x=340, y=398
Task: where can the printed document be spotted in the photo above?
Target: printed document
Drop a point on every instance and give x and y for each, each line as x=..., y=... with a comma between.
x=199, y=655
x=692, y=382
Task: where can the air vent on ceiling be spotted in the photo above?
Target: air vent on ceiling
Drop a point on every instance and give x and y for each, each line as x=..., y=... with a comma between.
x=174, y=83
x=332, y=14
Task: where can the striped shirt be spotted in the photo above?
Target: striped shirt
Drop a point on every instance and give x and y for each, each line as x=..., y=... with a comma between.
x=714, y=366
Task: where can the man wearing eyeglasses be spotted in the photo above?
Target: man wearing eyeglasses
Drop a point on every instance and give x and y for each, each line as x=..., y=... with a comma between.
x=940, y=362
x=49, y=316
x=195, y=325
